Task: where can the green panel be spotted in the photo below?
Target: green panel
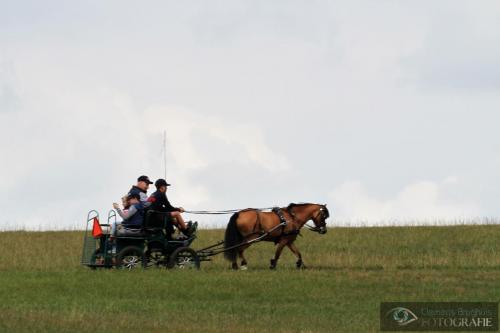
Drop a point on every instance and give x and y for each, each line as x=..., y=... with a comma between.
x=89, y=247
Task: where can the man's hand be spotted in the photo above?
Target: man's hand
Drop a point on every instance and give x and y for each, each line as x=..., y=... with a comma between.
x=181, y=209
x=116, y=206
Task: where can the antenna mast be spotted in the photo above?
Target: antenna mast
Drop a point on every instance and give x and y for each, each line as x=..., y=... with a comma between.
x=165, y=153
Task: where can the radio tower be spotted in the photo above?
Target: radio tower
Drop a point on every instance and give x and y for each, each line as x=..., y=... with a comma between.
x=165, y=153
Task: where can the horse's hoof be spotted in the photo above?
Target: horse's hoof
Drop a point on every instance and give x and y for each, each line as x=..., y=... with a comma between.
x=273, y=264
x=234, y=266
x=243, y=268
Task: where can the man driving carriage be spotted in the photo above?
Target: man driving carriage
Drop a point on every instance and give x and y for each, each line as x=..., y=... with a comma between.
x=159, y=202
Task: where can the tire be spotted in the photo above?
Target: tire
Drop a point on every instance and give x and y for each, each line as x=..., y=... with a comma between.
x=156, y=258
x=98, y=260
x=131, y=257
x=184, y=258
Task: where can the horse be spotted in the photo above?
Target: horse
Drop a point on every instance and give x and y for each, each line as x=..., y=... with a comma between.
x=281, y=226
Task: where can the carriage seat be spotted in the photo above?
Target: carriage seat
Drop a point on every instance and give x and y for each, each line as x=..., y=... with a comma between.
x=124, y=231
x=155, y=221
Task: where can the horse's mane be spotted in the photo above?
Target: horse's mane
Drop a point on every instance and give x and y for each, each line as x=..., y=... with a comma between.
x=293, y=205
x=300, y=204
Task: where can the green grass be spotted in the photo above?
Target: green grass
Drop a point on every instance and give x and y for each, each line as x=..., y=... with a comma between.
x=350, y=271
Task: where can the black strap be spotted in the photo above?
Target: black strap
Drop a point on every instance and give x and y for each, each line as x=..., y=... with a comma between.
x=284, y=223
x=278, y=212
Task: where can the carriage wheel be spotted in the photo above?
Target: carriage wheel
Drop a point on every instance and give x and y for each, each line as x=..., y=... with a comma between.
x=156, y=258
x=131, y=257
x=184, y=258
x=99, y=260
x=96, y=259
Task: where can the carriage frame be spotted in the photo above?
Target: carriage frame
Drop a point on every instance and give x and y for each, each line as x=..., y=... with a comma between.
x=150, y=246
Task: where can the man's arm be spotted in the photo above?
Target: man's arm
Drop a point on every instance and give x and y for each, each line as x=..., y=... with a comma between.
x=169, y=206
x=144, y=200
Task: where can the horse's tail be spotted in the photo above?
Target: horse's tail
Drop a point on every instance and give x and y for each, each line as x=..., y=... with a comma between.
x=232, y=238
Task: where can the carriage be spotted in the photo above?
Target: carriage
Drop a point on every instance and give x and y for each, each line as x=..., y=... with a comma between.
x=153, y=245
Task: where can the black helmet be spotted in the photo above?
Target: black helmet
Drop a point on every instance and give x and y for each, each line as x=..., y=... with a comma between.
x=161, y=182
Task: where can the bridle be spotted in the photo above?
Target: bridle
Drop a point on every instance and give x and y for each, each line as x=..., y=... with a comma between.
x=322, y=215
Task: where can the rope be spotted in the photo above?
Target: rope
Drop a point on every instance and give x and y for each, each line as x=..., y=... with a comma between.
x=223, y=212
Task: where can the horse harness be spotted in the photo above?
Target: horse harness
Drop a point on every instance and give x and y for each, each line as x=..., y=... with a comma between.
x=283, y=224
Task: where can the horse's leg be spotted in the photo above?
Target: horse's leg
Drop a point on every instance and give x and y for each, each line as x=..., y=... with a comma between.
x=244, y=228
x=234, y=264
x=277, y=254
x=296, y=251
x=243, y=266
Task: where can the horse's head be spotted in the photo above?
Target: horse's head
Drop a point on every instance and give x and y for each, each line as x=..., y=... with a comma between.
x=320, y=214
x=315, y=212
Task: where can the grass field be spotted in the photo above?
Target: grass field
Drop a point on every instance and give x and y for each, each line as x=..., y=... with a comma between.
x=350, y=271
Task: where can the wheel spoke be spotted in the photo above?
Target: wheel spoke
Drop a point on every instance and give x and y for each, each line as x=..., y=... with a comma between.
x=156, y=258
x=131, y=262
x=184, y=260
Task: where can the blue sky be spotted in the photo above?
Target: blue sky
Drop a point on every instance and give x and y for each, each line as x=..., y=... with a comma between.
x=385, y=110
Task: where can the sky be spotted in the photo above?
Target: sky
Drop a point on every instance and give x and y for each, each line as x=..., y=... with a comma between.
x=387, y=111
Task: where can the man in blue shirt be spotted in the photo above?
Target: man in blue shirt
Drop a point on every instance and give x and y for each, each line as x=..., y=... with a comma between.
x=134, y=216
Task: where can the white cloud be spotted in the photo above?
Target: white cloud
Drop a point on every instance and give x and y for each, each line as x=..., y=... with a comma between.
x=181, y=124
x=263, y=103
x=419, y=202
x=89, y=148
x=252, y=141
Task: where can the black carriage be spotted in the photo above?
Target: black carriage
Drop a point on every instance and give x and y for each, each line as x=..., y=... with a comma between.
x=153, y=245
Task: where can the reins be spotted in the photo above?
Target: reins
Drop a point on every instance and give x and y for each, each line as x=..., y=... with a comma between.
x=232, y=211
x=315, y=229
x=224, y=212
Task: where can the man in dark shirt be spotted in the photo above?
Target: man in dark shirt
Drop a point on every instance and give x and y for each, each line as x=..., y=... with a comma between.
x=159, y=202
x=141, y=189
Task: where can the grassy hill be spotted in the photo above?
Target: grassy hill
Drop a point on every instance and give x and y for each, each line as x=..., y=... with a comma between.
x=350, y=271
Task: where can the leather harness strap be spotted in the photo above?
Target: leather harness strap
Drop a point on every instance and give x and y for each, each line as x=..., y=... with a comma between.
x=277, y=211
x=257, y=228
x=284, y=224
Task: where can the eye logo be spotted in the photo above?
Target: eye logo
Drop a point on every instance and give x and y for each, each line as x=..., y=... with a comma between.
x=402, y=316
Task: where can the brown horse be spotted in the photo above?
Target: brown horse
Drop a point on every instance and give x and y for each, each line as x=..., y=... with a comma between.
x=280, y=226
